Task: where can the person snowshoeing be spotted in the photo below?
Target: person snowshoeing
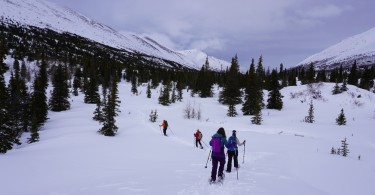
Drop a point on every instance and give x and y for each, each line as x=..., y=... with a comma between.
x=233, y=151
x=198, y=137
x=164, y=124
x=218, y=142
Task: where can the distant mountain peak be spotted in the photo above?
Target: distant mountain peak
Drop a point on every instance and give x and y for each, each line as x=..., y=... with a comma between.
x=45, y=14
x=360, y=48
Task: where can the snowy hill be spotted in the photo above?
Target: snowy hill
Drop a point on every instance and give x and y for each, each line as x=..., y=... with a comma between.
x=360, y=47
x=282, y=156
x=44, y=14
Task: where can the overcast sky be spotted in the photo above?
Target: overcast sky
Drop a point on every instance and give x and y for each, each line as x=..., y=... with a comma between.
x=282, y=31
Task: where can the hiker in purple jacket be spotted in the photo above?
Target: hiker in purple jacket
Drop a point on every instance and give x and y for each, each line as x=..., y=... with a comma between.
x=218, y=142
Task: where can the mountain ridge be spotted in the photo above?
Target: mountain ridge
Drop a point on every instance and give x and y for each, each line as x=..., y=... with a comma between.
x=359, y=48
x=45, y=14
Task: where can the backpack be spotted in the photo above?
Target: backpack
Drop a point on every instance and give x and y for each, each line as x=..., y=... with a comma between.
x=165, y=123
x=216, y=145
x=232, y=145
x=200, y=135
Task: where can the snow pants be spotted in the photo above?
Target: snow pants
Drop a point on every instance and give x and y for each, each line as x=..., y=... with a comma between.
x=234, y=155
x=165, y=130
x=215, y=162
x=196, y=143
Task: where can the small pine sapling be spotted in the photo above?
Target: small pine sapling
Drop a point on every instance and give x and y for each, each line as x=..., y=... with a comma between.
x=341, y=120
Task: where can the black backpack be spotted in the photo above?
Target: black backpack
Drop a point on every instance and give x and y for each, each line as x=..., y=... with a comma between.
x=165, y=123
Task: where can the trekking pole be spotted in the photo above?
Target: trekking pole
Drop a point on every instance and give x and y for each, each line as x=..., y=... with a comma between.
x=171, y=130
x=160, y=130
x=209, y=154
x=237, y=173
x=243, y=160
x=205, y=144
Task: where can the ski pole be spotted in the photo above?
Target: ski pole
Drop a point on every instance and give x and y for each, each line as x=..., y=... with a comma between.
x=171, y=130
x=205, y=144
x=237, y=173
x=209, y=154
x=160, y=130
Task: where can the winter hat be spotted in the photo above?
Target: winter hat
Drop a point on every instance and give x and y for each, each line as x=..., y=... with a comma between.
x=234, y=132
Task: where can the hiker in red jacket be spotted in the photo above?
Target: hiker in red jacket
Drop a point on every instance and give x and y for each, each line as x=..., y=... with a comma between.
x=198, y=136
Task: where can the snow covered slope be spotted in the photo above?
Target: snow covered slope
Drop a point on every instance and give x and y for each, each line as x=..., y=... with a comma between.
x=44, y=14
x=360, y=47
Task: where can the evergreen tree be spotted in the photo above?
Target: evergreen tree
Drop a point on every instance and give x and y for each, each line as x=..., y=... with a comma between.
x=344, y=148
x=336, y=89
x=341, y=120
x=164, y=95
x=251, y=91
x=111, y=111
x=6, y=133
x=321, y=76
x=311, y=73
x=343, y=86
x=38, y=105
x=98, y=112
x=310, y=117
x=204, y=81
x=19, y=104
x=231, y=109
x=134, y=89
x=353, y=75
x=77, y=81
x=148, y=92
x=231, y=92
x=257, y=118
x=292, y=80
x=179, y=87
x=274, y=97
x=367, y=80
x=60, y=94
x=173, y=96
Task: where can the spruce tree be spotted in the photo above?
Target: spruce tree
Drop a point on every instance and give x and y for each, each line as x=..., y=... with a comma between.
x=204, y=81
x=344, y=85
x=341, y=120
x=274, y=97
x=60, y=94
x=134, y=89
x=311, y=74
x=344, y=148
x=257, y=118
x=164, y=95
x=110, y=111
x=336, y=89
x=231, y=93
x=251, y=91
x=38, y=105
x=6, y=133
x=77, y=81
x=148, y=92
x=310, y=117
x=353, y=75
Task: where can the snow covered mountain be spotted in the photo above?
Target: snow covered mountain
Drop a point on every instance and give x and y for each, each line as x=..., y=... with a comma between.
x=44, y=14
x=360, y=47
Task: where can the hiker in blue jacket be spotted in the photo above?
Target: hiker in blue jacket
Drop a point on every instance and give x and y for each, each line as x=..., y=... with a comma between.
x=232, y=146
x=218, y=142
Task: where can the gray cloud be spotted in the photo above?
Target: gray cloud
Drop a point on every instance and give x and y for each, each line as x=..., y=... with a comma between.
x=284, y=31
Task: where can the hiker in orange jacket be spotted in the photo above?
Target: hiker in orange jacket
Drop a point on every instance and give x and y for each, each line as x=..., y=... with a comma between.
x=164, y=124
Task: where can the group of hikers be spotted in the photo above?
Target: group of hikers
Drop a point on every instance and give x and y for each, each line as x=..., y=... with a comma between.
x=218, y=144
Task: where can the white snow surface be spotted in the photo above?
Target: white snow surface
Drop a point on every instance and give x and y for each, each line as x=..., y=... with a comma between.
x=44, y=14
x=355, y=47
x=282, y=156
